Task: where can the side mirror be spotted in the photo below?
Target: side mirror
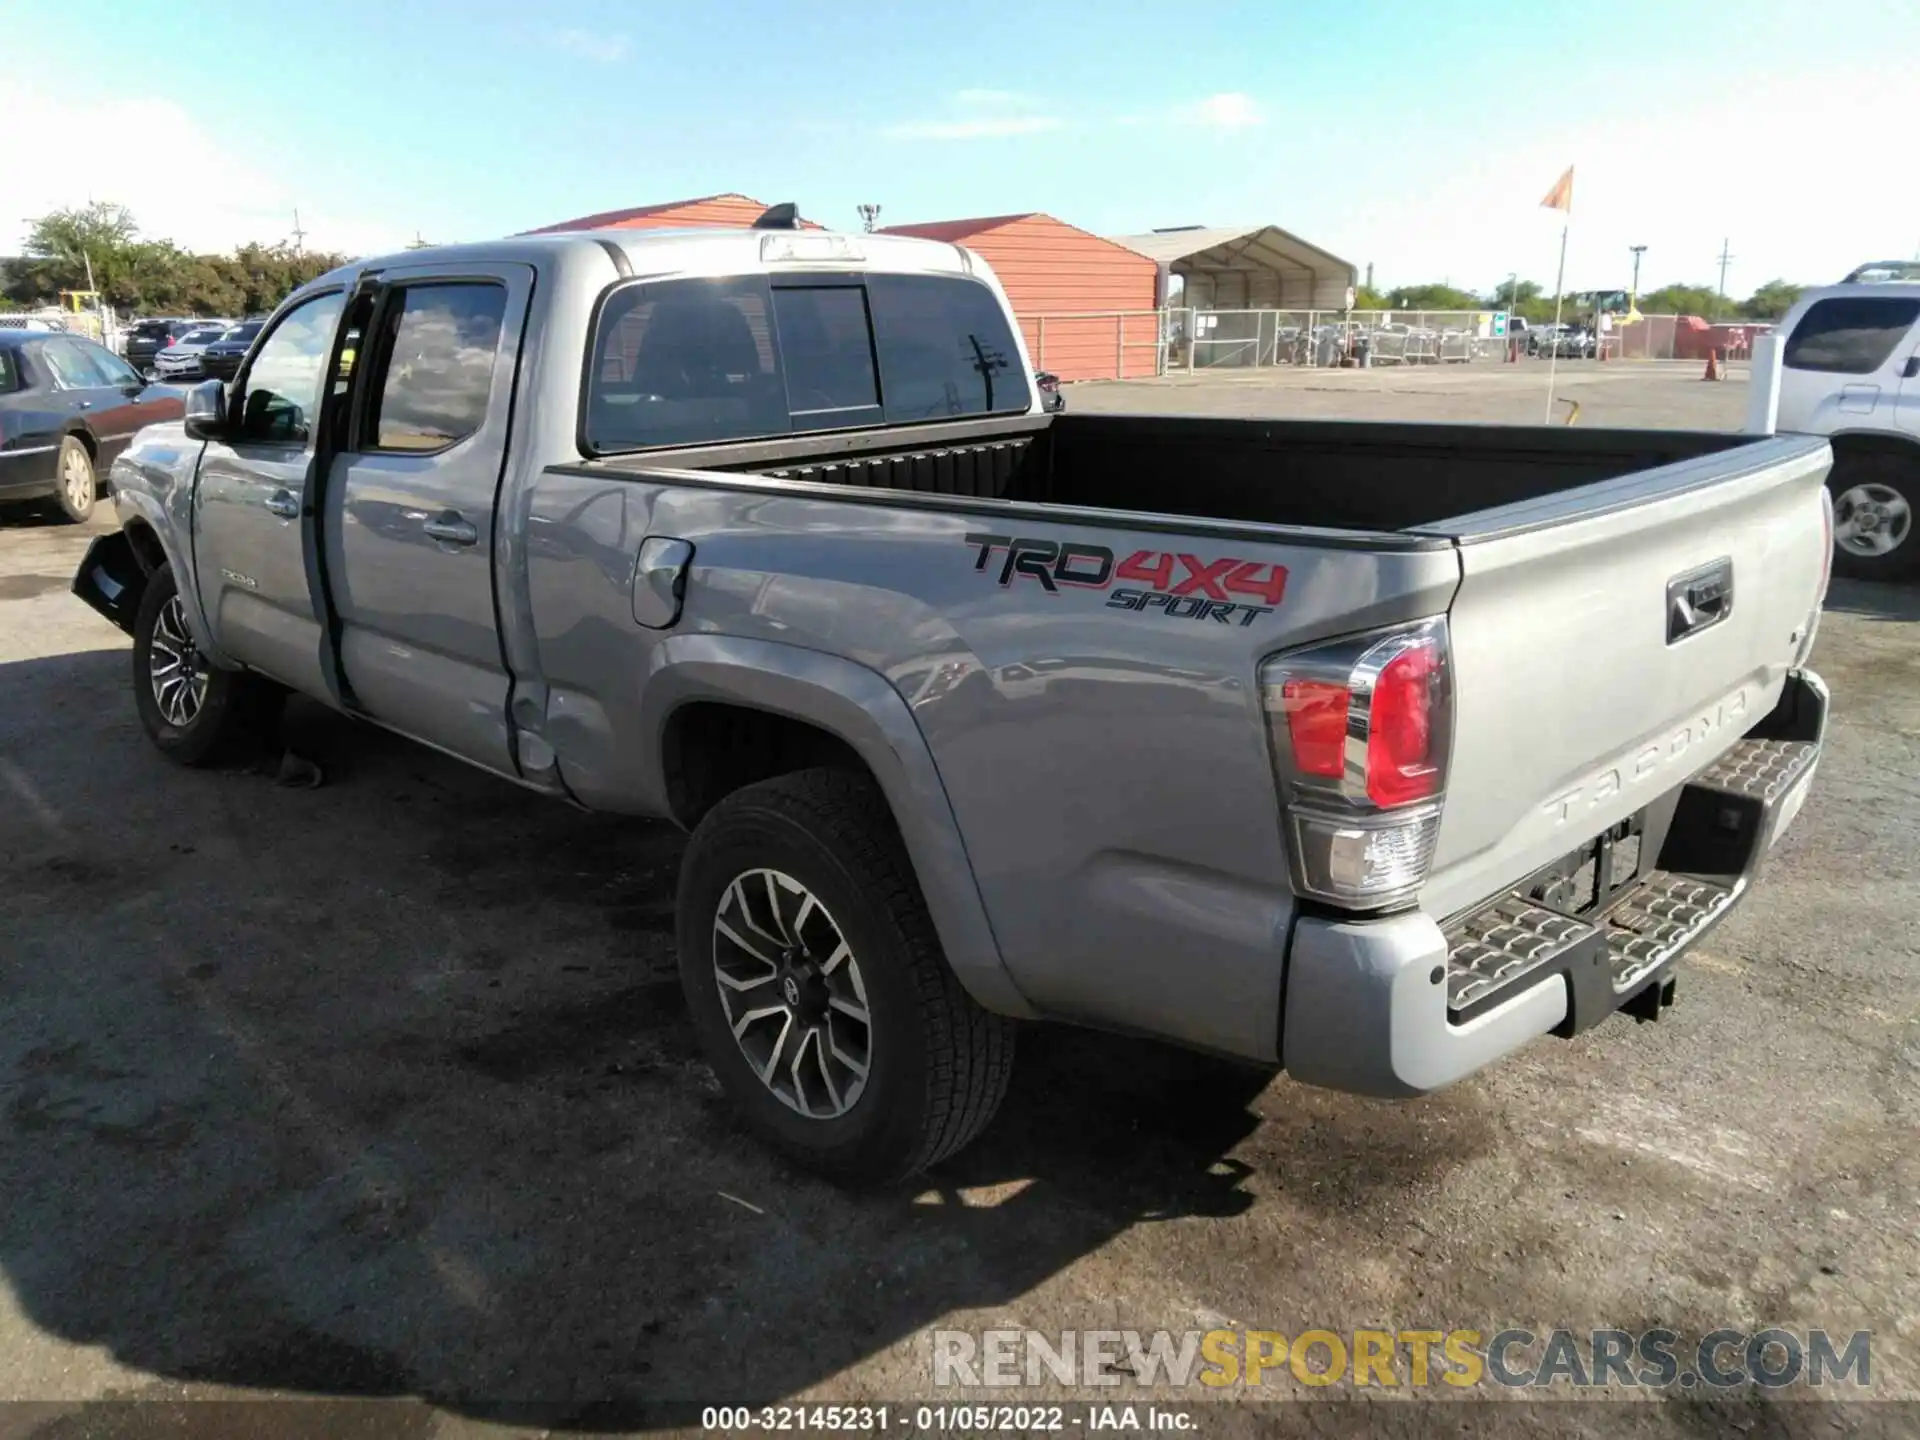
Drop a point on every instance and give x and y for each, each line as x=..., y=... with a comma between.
x=206, y=417
x=1912, y=370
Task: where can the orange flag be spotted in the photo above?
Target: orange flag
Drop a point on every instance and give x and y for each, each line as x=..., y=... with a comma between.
x=1560, y=197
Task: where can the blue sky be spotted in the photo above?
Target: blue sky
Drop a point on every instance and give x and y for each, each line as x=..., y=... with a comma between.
x=1417, y=136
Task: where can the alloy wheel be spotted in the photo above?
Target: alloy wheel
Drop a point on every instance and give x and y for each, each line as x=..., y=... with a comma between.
x=792, y=994
x=1871, y=519
x=76, y=477
x=175, y=666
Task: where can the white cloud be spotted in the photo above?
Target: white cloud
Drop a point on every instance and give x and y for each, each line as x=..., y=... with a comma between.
x=985, y=114
x=181, y=182
x=983, y=127
x=995, y=100
x=607, y=49
x=1228, y=111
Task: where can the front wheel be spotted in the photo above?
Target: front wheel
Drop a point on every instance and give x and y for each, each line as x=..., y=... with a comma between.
x=1874, y=500
x=195, y=712
x=817, y=987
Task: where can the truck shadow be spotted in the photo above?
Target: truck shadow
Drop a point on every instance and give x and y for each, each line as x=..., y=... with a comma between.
x=1877, y=600
x=383, y=1089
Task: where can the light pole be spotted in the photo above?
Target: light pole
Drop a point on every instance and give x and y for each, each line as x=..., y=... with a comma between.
x=1633, y=295
x=868, y=214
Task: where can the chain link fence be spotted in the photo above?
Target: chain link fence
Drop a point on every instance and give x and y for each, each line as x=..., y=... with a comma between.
x=1130, y=344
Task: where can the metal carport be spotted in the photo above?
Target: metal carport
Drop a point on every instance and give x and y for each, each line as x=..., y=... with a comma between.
x=1260, y=267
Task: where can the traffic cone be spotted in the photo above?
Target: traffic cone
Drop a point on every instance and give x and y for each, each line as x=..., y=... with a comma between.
x=1713, y=366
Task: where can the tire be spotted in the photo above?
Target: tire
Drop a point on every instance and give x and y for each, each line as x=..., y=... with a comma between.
x=75, y=487
x=1876, y=504
x=936, y=1063
x=221, y=714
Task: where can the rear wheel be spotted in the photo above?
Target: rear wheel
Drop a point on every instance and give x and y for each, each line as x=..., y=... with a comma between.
x=77, y=490
x=817, y=987
x=191, y=709
x=1875, y=497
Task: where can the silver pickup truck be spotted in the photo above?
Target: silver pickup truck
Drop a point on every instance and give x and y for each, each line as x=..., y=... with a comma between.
x=1369, y=751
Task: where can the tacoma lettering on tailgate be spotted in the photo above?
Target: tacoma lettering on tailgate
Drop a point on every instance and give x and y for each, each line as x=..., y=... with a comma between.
x=1167, y=583
x=1600, y=788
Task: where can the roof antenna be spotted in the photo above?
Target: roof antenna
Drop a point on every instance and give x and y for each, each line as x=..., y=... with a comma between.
x=784, y=216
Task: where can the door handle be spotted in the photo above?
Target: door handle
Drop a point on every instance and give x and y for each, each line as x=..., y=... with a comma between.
x=450, y=527
x=283, y=504
x=83, y=404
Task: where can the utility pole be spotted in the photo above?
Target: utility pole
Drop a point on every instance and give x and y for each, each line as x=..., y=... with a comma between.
x=1369, y=275
x=1633, y=295
x=1726, y=259
x=299, y=235
x=869, y=214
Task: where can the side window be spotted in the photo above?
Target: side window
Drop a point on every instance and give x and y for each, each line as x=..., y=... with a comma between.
x=70, y=365
x=435, y=365
x=283, y=392
x=1853, y=336
x=685, y=361
x=826, y=353
x=111, y=369
x=945, y=349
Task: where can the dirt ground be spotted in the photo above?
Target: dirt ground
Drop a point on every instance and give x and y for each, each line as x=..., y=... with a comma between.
x=383, y=1089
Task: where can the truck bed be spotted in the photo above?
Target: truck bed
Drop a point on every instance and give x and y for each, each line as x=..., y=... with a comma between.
x=1339, y=475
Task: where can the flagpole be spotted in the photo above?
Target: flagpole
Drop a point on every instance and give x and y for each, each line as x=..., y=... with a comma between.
x=1553, y=348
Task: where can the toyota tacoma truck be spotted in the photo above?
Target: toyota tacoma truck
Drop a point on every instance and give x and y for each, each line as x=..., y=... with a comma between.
x=1372, y=752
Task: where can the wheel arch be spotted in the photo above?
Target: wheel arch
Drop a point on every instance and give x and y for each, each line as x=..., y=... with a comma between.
x=719, y=713
x=156, y=541
x=1855, y=443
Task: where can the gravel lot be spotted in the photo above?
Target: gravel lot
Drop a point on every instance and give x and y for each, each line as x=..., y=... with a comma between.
x=384, y=1090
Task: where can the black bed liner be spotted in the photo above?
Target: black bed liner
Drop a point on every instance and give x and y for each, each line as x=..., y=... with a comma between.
x=1342, y=475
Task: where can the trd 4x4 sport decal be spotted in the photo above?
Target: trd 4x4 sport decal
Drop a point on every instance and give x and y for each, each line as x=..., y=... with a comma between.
x=1176, y=585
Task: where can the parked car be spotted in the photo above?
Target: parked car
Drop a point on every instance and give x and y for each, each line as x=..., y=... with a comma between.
x=1052, y=400
x=1311, y=743
x=181, y=359
x=1851, y=371
x=147, y=338
x=1881, y=272
x=221, y=360
x=68, y=408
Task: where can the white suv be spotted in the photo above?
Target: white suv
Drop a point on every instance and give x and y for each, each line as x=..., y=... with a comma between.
x=1851, y=370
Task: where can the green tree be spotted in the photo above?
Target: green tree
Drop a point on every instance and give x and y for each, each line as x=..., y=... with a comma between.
x=1365, y=297
x=61, y=246
x=140, y=276
x=1532, y=306
x=1432, y=297
x=1771, y=300
x=1701, y=300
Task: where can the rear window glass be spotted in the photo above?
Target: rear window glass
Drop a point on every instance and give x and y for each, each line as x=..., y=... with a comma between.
x=1849, y=336
x=682, y=362
x=944, y=349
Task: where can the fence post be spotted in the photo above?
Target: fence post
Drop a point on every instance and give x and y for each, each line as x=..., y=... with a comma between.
x=1040, y=360
x=1120, y=347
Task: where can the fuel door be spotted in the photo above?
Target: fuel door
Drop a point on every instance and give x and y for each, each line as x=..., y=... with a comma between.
x=660, y=580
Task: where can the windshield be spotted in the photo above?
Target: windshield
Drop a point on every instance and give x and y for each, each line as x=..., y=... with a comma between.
x=240, y=334
x=200, y=337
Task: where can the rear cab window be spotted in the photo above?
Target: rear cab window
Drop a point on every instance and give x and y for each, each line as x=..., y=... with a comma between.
x=1850, y=335
x=682, y=362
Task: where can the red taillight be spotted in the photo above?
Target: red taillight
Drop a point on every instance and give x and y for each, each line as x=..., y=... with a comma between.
x=1317, y=726
x=1362, y=836
x=1401, y=764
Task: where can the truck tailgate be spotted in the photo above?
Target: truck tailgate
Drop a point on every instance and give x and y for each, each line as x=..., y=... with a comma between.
x=1610, y=641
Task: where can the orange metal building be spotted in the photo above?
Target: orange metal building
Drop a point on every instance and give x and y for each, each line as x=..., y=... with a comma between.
x=729, y=211
x=1096, y=297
